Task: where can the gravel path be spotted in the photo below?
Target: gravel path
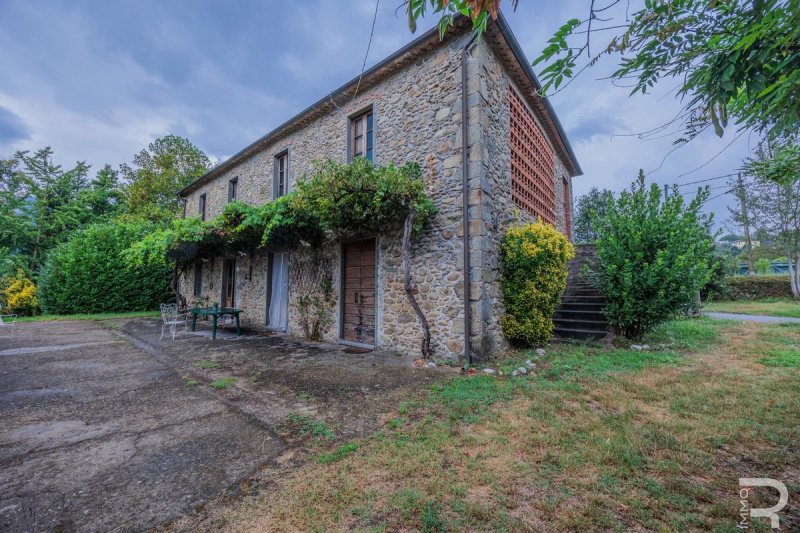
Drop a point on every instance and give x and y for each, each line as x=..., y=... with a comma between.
x=752, y=318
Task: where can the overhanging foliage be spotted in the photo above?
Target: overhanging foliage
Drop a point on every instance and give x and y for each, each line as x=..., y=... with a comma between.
x=337, y=201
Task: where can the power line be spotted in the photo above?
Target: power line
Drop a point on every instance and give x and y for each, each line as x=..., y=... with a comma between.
x=710, y=189
x=366, y=55
x=720, y=194
x=709, y=179
x=369, y=45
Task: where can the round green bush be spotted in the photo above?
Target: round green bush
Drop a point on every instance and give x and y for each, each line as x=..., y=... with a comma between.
x=88, y=274
x=535, y=260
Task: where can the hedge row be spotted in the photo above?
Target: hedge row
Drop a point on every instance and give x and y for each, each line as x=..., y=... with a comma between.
x=88, y=274
x=756, y=287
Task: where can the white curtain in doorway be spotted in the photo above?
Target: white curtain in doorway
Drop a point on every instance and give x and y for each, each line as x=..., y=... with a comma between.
x=279, y=297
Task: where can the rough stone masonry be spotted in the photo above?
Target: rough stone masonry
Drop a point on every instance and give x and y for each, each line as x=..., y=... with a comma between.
x=415, y=98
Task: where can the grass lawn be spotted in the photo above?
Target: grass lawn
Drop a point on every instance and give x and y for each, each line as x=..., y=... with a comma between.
x=768, y=306
x=95, y=316
x=594, y=439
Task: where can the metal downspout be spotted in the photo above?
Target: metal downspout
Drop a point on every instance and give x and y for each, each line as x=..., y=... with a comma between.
x=465, y=206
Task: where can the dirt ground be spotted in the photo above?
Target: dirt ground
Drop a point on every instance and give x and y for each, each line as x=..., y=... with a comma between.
x=107, y=428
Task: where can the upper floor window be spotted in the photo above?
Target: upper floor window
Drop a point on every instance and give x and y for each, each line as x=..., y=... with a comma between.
x=361, y=136
x=281, y=184
x=233, y=189
x=201, y=207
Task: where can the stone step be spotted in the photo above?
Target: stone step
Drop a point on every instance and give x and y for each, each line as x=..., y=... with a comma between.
x=577, y=333
x=572, y=298
x=582, y=290
x=580, y=314
x=582, y=324
x=578, y=306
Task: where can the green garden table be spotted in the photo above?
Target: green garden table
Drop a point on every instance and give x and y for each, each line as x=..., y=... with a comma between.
x=215, y=313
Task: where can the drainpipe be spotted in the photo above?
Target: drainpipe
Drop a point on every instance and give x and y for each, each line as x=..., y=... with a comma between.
x=465, y=206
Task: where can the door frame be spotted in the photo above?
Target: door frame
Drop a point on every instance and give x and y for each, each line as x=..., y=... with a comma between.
x=270, y=261
x=224, y=282
x=341, y=339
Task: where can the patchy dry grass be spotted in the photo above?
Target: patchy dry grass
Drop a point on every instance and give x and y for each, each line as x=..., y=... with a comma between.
x=787, y=307
x=88, y=316
x=594, y=439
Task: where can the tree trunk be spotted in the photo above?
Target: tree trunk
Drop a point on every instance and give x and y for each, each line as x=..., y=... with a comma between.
x=175, y=284
x=406, y=250
x=794, y=274
x=746, y=223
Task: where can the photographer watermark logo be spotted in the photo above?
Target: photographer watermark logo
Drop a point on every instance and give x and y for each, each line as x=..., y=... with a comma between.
x=746, y=512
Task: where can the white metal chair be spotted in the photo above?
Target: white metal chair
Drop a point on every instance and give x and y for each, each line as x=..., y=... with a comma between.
x=172, y=318
x=8, y=321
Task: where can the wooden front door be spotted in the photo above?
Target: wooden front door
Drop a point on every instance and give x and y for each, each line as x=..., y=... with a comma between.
x=228, y=283
x=358, y=292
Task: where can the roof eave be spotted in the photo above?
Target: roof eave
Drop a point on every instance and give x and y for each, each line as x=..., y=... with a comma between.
x=327, y=101
x=516, y=49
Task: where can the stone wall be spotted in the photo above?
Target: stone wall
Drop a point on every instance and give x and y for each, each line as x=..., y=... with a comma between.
x=417, y=117
x=493, y=208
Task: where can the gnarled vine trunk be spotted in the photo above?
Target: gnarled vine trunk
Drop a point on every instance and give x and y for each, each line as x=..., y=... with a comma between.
x=406, y=251
x=180, y=299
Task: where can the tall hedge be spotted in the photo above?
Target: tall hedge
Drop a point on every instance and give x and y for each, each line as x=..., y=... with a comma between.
x=535, y=260
x=88, y=274
x=755, y=287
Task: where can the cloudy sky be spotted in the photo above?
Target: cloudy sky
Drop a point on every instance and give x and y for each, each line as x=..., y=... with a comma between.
x=97, y=81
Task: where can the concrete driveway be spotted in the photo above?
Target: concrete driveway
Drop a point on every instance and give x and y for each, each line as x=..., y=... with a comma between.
x=100, y=431
x=99, y=436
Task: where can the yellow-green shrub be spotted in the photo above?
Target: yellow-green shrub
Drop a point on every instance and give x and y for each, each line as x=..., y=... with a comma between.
x=535, y=260
x=20, y=295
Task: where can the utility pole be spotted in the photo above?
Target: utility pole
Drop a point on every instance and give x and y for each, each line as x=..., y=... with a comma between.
x=666, y=192
x=740, y=194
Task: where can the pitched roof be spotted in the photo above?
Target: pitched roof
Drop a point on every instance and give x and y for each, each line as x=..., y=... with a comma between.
x=498, y=34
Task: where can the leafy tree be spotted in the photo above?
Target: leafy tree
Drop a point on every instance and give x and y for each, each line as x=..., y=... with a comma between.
x=777, y=202
x=41, y=204
x=47, y=200
x=590, y=207
x=735, y=60
x=781, y=165
x=88, y=273
x=762, y=266
x=104, y=199
x=653, y=254
x=743, y=216
x=158, y=172
x=16, y=221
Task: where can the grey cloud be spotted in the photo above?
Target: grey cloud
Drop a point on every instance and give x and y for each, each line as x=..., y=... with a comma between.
x=12, y=128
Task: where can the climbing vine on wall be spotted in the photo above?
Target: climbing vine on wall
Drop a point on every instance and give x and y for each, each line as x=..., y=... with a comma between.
x=336, y=201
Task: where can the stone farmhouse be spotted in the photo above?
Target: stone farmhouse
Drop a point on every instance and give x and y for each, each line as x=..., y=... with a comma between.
x=468, y=112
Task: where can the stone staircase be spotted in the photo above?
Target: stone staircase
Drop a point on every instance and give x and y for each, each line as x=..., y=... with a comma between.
x=580, y=317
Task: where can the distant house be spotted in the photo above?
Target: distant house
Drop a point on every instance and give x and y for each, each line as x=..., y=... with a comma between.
x=510, y=150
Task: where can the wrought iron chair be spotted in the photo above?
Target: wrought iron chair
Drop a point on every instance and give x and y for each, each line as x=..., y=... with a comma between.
x=172, y=318
x=8, y=321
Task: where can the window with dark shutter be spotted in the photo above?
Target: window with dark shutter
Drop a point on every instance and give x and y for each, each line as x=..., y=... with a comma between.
x=362, y=136
x=281, y=185
x=201, y=207
x=198, y=279
x=233, y=189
